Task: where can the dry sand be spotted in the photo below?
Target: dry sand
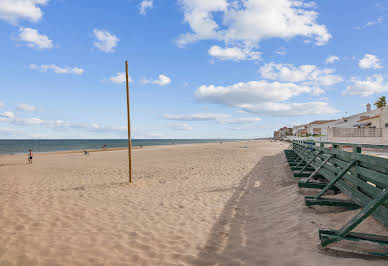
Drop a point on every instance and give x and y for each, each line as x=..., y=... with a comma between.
x=202, y=204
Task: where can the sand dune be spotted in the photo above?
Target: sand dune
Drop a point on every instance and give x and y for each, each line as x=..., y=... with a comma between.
x=202, y=204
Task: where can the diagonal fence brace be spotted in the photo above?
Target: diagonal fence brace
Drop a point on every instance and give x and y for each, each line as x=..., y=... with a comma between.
x=304, y=158
x=319, y=167
x=361, y=216
x=310, y=162
x=333, y=181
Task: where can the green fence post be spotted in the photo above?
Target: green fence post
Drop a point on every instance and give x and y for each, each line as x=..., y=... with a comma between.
x=357, y=149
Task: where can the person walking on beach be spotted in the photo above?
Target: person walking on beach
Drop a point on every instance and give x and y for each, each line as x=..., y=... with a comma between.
x=29, y=156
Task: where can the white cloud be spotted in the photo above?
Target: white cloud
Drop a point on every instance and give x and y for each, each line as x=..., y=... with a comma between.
x=30, y=121
x=263, y=97
x=241, y=121
x=304, y=73
x=120, y=78
x=281, y=51
x=144, y=5
x=57, y=69
x=369, y=61
x=372, y=85
x=196, y=117
x=379, y=20
x=218, y=118
x=60, y=124
x=290, y=109
x=332, y=59
x=162, y=80
x=105, y=41
x=14, y=10
x=251, y=21
x=233, y=53
x=254, y=92
x=34, y=39
x=7, y=115
x=26, y=107
x=183, y=127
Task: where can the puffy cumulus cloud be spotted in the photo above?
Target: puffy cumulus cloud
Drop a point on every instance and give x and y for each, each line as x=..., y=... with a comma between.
x=34, y=39
x=196, y=117
x=14, y=10
x=263, y=97
x=371, y=85
x=332, y=59
x=233, y=53
x=162, y=80
x=26, y=107
x=303, y=73
x=144, y=6
x=183, y=127
x=247, y=23
x=105, y=41
x=198, y=14
x=290, y=109
x=120, y=78
x=254, y=92
x=57, y=69
x=369, y=61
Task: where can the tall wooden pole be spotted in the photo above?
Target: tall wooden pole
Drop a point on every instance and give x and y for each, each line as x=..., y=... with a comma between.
x=129, y=126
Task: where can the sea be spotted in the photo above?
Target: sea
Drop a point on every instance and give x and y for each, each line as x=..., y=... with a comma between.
x=50, y=145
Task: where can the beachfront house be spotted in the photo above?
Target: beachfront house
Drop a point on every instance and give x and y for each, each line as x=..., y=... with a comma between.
x=299, y=130
x=370, y=126
x=282, y=133
x=316, y=128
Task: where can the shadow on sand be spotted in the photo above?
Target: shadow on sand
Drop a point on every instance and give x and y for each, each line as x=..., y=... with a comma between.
x=264, y=223
x=229, y=241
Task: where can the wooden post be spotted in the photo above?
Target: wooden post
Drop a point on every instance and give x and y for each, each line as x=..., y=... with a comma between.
x=129, y=126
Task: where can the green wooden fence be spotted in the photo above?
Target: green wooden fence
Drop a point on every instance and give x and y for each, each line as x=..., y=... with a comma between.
x=362, y=178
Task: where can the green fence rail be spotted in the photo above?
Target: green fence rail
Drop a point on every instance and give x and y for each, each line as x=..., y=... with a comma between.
x=362, y=178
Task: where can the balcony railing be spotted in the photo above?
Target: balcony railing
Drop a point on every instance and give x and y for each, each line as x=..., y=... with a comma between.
x=357, y=132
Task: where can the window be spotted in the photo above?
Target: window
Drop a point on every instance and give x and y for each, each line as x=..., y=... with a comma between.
x=386, y=124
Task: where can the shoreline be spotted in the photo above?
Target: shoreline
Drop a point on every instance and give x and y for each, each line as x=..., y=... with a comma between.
x=134, y=147
x=137, y=147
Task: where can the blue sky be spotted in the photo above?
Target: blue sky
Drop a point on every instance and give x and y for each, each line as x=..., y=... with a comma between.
x=199, y=69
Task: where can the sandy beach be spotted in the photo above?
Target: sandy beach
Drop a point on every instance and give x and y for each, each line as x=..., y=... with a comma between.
x=194, y=204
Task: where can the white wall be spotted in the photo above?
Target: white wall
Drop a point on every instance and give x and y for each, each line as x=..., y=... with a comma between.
x=378, y=140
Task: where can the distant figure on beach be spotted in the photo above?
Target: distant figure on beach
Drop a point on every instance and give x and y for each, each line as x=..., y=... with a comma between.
x=221, y=142
x=29, y=156
x=104, y=147
x=141, y=146
x=86, y=152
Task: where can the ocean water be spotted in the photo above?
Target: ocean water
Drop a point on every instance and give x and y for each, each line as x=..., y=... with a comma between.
x=47, y=145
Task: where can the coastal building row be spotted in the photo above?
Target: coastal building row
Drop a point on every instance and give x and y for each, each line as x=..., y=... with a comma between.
x=370, y=127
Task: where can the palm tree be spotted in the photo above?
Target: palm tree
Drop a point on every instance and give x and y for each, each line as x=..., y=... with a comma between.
x=381, y=102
